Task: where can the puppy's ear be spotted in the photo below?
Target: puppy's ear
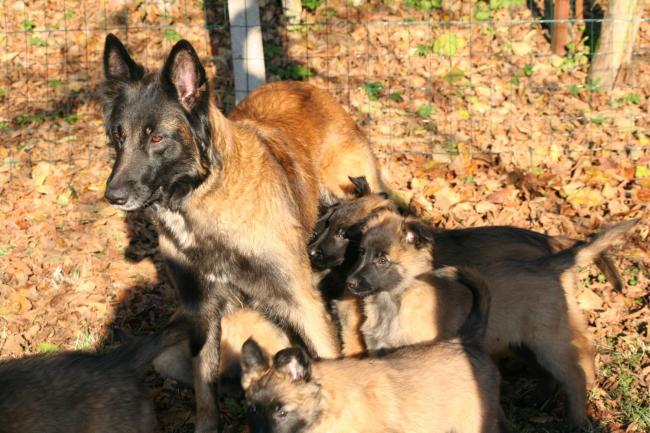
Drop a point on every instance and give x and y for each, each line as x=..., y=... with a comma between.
x=361, y=186
x=118, y=64
x=254, y=362
x=183, y=74
x=416, y=233
x=294, y=362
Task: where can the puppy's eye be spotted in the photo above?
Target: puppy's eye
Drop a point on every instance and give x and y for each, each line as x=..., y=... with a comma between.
x=280, y=412
x=382, y=260
x=252, y=408
x=117, y=134
x=156, y=138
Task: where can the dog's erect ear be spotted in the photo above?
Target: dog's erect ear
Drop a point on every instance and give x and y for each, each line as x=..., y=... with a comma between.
x=361, y=186
x=118, y=64
x=184, y=75
x=254, y=362
x=416, y=233
x=293, y=362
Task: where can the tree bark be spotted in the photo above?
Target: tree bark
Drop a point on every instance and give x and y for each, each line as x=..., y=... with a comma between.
x=616, y=43
x=560, y=35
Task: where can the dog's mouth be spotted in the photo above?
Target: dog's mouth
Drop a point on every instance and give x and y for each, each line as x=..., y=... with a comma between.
x=138, y=204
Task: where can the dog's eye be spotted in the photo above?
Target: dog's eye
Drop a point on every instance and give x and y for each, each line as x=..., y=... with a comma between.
x=280, y=412
x=382, y=260
x=252, y=408
x=117, y=134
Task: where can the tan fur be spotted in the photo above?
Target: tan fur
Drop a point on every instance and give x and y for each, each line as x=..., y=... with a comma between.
x=348, y=311
x=533, y=303
x=237, y=326
x=286, y=148
x=436, y=388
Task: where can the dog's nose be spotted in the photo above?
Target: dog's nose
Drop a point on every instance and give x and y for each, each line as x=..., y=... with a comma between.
x=116, y=196
x=352, y=284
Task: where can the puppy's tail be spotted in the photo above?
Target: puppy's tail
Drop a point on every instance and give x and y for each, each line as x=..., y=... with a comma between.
x=586, y=253
x=139, y=353
x=473, y=330
x=604, y=263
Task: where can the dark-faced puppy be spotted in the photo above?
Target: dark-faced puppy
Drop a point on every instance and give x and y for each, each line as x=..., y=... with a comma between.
x=533, y=301
x=77, y=392
x=344, y=222
x=448, y=386
x=234, y=199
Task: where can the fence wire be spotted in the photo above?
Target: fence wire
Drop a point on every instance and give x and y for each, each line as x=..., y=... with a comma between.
x=421, y=77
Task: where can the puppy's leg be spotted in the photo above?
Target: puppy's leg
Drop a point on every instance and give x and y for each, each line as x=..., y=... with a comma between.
x=562, y=359
x=350, y=317
x=206, y=376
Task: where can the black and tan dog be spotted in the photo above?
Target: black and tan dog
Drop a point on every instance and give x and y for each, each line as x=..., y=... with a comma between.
x=77, y=392
x=235, y=198
x=533, y=301
x=447, y=386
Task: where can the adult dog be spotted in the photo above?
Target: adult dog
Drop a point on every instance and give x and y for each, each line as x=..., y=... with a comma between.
x=234, y=199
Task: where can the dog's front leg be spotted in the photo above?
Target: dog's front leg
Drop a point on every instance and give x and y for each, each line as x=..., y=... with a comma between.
x=206, y=378
x=308, y=316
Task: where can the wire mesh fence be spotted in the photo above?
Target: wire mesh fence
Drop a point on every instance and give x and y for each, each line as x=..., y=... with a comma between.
x=421, y=77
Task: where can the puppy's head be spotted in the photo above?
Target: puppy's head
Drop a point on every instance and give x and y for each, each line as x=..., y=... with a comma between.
x=158, y=123
x=392, y=253
x=281, y=395
x=341, y=223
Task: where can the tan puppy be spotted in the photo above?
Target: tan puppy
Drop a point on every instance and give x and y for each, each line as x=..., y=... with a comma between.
x=448, y=386
x=533, y=301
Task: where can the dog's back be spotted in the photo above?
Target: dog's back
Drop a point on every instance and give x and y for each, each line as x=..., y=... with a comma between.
x=78, y=392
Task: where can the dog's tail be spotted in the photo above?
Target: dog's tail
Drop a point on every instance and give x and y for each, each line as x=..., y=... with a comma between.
x=139, y=353
x=473, y=330
x=604, y=263
x=586, y=253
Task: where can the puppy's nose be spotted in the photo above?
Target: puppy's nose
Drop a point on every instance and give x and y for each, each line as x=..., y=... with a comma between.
x=352, y=284
x=116, y=196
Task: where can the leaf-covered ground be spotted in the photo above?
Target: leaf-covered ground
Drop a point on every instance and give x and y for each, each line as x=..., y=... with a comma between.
x=474, y=120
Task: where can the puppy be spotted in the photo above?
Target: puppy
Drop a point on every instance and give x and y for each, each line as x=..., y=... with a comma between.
x=77, y=392
x=451, y=385
x=237, y=326
x=341, y=224
x=533, y=301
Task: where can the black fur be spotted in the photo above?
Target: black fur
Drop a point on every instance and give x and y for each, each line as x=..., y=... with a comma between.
x=138, y=106
x=84, y=392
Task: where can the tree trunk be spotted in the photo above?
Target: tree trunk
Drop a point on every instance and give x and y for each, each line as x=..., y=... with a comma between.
x=560, y=34
x=616, y=42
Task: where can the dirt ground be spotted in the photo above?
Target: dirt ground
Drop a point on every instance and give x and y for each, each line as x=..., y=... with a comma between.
x=474, y=120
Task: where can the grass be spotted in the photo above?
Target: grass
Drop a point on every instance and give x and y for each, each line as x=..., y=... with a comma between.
x=626, y=402
x=373, y=90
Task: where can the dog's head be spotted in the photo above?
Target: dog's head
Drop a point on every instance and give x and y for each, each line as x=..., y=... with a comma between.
x=342, y=222
x=282, y=397
x=159, y=125
x=392, y=253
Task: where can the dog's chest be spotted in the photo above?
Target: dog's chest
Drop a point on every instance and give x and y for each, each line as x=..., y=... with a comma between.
x=381, y=328
x=212, y=263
